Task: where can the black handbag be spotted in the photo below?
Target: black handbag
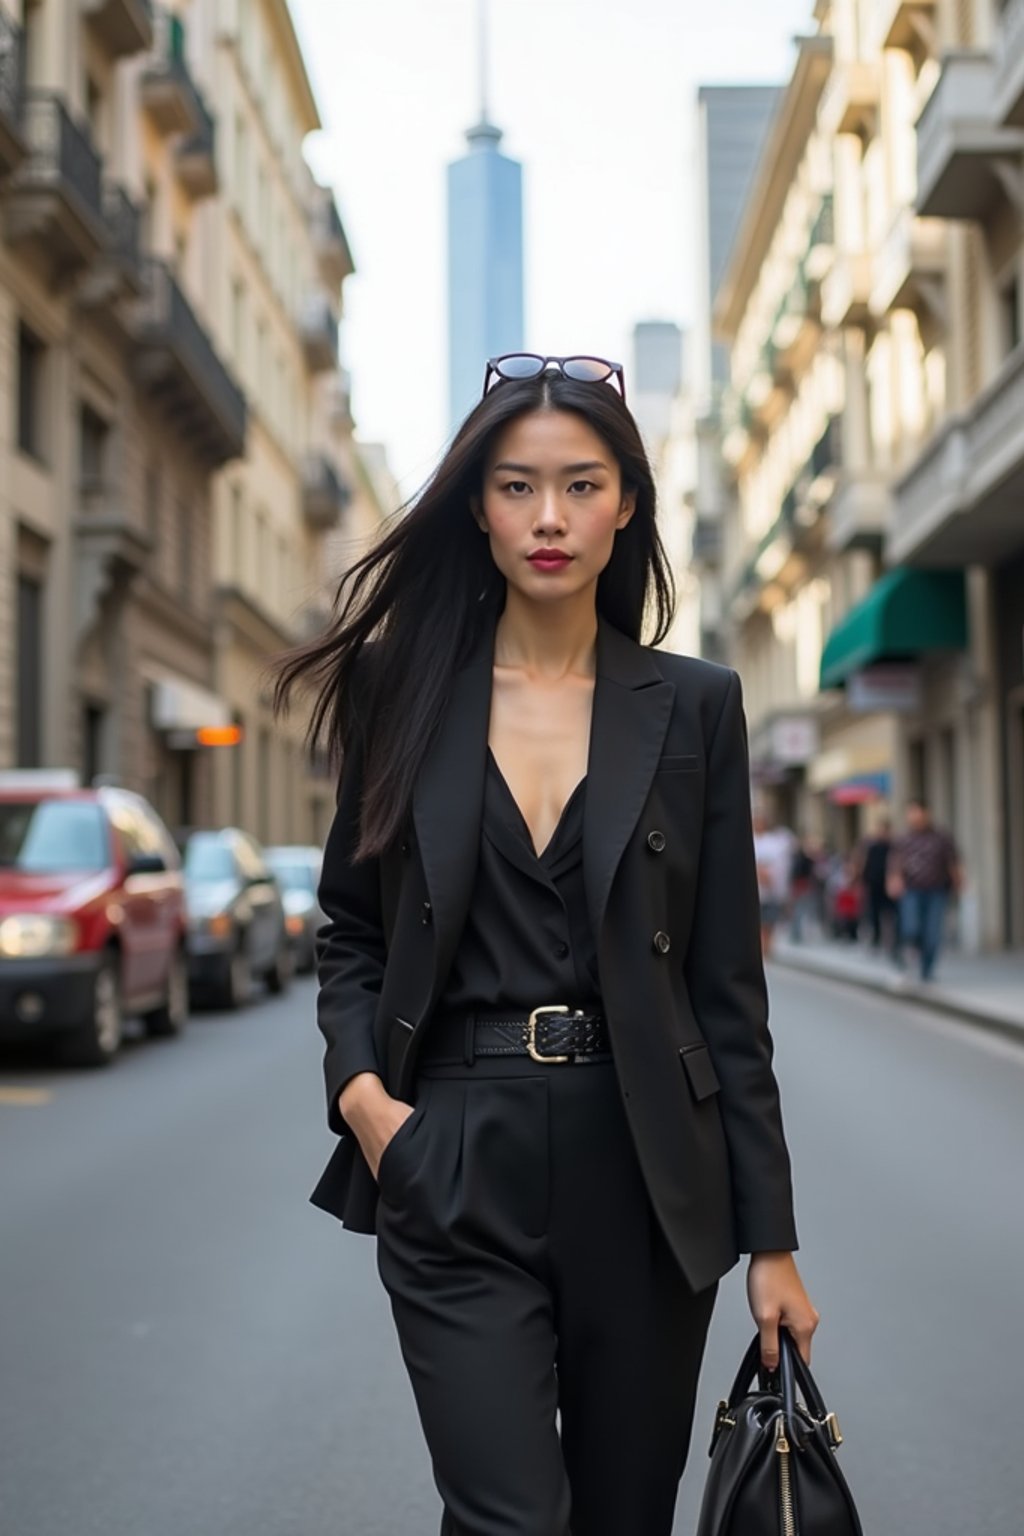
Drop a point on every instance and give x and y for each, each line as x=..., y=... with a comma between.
x=773, y=1457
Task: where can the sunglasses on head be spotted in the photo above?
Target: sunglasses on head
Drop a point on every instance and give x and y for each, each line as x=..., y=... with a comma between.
x=530, y=365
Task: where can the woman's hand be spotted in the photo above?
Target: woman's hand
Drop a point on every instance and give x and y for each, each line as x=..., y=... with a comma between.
x=373, y=1115
x=776, y=1295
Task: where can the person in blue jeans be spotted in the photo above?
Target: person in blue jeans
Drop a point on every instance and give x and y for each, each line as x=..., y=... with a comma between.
x=924, y=868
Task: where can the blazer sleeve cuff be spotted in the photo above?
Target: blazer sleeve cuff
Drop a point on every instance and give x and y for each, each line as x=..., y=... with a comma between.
x=777, y=1236
x=337, y=1072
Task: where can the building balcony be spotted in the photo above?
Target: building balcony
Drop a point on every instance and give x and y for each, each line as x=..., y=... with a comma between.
x=706, y=544
x=167, y=90
x=177, y=363
x=959, y=504
x=110, y=551
x=325, y=495
x=821, y=242
x=56, y=193
x=12, y=76
x=122, y=26
x=859, y=511
x=795, y=332
x=318, y=330
x=910, y=266
x=846, y=290
x=849, y=102
x=117, y=271
x=1010, y=65
x=965, y=158
x=907, y=24
x=330, y=241
x=195, y=157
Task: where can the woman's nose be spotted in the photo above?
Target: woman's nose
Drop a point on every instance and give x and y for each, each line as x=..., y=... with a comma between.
x=550, y=516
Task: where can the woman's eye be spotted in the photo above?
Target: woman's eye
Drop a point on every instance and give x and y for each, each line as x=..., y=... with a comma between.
x=582, y=485
x=516, y=487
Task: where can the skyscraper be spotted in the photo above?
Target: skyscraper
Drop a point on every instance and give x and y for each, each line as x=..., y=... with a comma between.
x=485, y=253
x=733, y=123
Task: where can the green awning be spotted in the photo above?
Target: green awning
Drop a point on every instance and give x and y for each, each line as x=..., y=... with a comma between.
x=906, y=613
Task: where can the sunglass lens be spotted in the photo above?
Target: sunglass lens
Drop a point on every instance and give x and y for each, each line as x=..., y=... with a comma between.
x=590, y=369
x=523, y=365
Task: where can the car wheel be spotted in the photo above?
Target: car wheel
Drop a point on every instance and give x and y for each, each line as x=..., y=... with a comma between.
x=280, y=973
x=98, y=1041
x=172, y=1015
x=238, y=983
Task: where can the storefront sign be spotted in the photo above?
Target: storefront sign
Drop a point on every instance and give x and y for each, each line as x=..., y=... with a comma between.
x=889, y=688
x=794, y=739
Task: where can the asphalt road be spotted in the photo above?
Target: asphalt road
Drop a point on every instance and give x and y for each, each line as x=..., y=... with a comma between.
x=187, y=1348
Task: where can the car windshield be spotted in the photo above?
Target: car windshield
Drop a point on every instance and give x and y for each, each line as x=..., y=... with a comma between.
x=293, y=876
x=53, y=837
x=207, y=858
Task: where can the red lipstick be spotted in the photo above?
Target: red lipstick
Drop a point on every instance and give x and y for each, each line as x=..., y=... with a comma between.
x=549, y=559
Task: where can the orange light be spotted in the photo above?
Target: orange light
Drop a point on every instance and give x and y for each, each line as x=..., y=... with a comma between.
x=219, y=735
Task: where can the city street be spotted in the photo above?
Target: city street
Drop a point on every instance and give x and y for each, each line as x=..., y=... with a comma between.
x=187, y=1348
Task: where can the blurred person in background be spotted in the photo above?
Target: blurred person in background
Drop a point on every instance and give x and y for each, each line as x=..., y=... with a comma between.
x=923, y=871
x=774, y=847
x=547, y=1050
x=872, y=863
x=804, y=895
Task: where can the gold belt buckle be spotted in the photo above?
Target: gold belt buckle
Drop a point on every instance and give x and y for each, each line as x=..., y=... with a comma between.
x=531, y=1031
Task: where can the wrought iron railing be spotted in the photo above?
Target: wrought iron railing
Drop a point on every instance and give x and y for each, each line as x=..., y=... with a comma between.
x=12, y=67
x=323, y=483
x=167, y=318
x=123, y=222
x=59, y=152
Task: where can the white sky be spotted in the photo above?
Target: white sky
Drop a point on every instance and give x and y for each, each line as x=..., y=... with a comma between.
x=597, y=99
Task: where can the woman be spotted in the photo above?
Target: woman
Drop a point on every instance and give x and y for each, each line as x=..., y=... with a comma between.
x=540, y=979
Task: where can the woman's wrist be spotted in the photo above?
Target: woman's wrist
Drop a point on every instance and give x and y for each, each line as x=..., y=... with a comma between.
x=359, y=1097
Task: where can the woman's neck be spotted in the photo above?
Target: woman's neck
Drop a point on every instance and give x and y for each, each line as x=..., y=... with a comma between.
x=548, y=640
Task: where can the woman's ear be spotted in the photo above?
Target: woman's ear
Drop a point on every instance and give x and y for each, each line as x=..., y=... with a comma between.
x=477, y=511
x=627, y=508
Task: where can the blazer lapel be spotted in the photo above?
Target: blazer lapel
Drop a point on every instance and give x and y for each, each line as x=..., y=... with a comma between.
x=448, y=803
x=632, y=708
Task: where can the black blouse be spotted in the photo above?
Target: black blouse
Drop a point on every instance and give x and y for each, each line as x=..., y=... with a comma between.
x=527, y=938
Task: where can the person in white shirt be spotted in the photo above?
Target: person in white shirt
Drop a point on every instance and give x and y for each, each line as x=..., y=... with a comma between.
x=774, y=847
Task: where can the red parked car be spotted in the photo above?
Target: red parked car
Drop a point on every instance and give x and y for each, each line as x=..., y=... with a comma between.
x=92, y=916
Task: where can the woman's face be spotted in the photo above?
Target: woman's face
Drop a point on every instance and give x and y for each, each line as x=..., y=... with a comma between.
x=552, y=504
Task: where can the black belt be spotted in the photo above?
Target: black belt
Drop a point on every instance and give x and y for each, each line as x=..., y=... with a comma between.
x=549, y=1033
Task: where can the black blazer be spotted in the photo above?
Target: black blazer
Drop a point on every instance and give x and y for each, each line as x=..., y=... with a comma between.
x=672, y=891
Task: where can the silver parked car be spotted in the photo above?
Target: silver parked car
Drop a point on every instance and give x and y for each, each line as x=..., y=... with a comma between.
x=298, y=873
x=236, y=917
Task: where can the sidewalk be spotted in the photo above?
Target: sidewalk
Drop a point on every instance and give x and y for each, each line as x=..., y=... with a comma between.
x=984, y=989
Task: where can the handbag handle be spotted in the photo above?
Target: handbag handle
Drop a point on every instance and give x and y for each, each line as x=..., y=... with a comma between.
x=792, y=1372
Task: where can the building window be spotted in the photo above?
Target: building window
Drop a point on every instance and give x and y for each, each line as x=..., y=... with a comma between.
x=236, y=534
x=31, y=385
x=29, y=666
x=238, y=323
x=92, y=741
x=1010, y=315
x=184, y=548
x=152, y=495
x=94, y=436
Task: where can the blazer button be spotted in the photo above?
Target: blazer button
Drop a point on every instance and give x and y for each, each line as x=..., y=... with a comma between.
x=405, y=848
x=656, y=841
x=662, y=942
x=426, y=916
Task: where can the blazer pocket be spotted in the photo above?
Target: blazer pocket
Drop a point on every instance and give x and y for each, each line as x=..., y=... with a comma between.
x=686, y=762
x=700, y=1071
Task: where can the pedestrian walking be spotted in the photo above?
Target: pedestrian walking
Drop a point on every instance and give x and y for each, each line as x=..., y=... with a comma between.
x=803, y=894
x=923, y=869
x=541, y=990
x=774, y=849
x=872, y=867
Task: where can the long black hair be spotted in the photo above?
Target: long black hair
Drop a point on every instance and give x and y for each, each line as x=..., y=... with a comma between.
x=429, y=585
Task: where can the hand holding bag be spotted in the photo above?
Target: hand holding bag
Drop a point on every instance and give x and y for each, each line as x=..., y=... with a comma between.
x=773, y=1457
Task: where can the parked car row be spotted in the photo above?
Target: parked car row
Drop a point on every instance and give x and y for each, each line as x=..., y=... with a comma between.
x=104, y=916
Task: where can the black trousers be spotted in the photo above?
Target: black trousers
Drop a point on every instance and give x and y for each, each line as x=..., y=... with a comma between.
x=528, y=1275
